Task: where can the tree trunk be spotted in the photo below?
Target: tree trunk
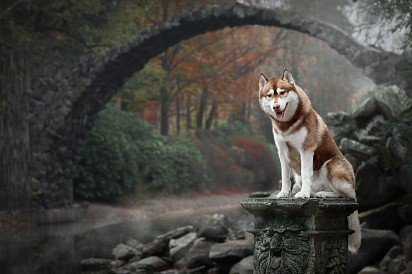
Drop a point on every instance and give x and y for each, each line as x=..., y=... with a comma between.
x=212, y=114
x=164, y=111
x=202, y=108
x=188, y=115
x=14, y=129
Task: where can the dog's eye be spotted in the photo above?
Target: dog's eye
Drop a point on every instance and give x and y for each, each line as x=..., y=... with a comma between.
x=269, y=95
x=281, y=93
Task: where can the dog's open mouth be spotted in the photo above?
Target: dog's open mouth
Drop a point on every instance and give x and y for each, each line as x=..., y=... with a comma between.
x=281, y=113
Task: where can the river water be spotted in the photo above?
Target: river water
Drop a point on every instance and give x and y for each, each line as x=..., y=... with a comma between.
x=59, y=248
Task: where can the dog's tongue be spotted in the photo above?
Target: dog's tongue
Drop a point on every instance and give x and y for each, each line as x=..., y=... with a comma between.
x=279, y=115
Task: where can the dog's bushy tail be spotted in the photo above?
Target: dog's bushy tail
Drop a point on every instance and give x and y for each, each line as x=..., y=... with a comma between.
x=354, y=240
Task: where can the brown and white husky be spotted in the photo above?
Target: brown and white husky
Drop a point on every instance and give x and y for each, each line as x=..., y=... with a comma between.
x=306, y=148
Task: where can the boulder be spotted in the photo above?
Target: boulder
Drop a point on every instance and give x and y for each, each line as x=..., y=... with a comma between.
x=337, y=118
x=229, y=253
x=135, y=244
x=198, y=254
x=161, y=242
x=375, y=244
x=150, y=263
x=355, y=162
x=396, y=148
x=366, y=109
x=373, y=187
x=245, y=266
x=375, y=129
x=96, y=264
x=393, y=102
x=405, y=231
x=391, y=255
x=356, y=148
x=409, y=267
x=405, y=208
x=231, y=249
x=178, y=247
x=407, y=247
x=124, y=252
x=214, y=219
x=370, y=270
x=341, y=131
x=216, y=233
x=405, y=176
x=384, y=217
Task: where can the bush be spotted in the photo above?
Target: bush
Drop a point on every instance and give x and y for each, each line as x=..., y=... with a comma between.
x=124, y=154
x=238, y=160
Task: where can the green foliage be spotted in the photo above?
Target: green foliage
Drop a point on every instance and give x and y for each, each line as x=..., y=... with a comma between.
x=238, y=160
x=125, y=154
x=398, y=12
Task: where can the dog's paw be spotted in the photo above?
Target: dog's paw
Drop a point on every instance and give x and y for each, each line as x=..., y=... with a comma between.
x=283, y=194
x=321, y=194
x=302, y=194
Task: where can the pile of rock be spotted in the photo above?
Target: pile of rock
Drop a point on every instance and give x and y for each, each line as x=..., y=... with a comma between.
x=377, y=139
x=212, y=248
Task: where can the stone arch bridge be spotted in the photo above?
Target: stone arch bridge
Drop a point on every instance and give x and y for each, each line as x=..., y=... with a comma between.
x=65, y=106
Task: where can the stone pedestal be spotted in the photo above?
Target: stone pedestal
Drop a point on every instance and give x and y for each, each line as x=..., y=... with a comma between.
x=300, y=235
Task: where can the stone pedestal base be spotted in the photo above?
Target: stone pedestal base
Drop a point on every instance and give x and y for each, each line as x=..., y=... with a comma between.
x=300, y=235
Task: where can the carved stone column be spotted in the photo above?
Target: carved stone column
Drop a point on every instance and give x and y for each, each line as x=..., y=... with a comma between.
x=300, y=235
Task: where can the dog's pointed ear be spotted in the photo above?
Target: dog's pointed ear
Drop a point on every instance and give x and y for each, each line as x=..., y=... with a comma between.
x=262, y=81
x=287, y=76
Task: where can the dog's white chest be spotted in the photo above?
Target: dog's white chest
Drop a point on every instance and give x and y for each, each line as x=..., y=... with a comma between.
x=295, y=139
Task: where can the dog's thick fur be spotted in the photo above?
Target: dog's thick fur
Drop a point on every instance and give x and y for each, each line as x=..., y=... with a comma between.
x=306, y=147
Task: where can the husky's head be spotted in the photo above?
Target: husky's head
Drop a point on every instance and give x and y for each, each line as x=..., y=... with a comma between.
x=278, y=97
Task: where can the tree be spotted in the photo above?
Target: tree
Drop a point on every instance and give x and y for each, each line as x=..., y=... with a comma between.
x=398, y=13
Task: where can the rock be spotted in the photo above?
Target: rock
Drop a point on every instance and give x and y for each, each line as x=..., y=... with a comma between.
x=125, y=252
x=375, y=244
x=373, y=187
x=149, y=263
x=405, y=208
x=337, y=118
x=384, y=217
x=230, y=252
x=395, y=265
x=342, y=131
x=393, y=102
x=95, y=264
x=405, y=176
x=376, y=129
x=216, y=233
x=396, y=148
x=238, y=249
x=407, y=247
x=178, y=247
x=135, y=244
x=172, y=271
x=366, y=109
x=214, y=219
x=198, y=254
x=356, y=148
x=370, y=270
x=405, y=231
x=245, y=266
x=409, y=267
x=355, y=162
x=161, y=242
x=394, y=252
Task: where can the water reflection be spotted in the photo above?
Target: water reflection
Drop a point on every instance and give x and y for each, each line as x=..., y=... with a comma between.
x=59, y=248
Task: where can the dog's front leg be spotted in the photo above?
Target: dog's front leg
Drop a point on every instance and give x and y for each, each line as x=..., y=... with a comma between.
x=285, y=168
x=306, y=163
